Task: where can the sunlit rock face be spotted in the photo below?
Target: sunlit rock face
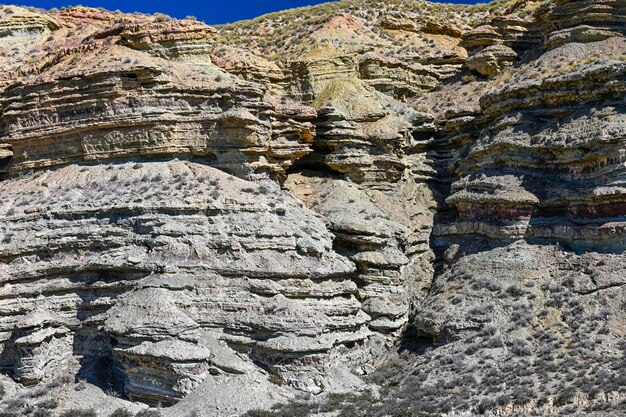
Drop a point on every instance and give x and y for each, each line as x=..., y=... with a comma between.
x=139, y=255
x=215, y=220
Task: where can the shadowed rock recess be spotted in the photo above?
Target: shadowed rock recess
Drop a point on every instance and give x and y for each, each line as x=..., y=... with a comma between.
x=360, y=208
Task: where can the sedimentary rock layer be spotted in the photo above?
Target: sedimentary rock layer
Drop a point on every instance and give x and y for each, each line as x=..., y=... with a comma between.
x=200, y=251
x=102, y=113
x=194, y=215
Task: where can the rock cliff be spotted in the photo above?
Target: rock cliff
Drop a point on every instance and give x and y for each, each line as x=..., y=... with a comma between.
x=356, y=208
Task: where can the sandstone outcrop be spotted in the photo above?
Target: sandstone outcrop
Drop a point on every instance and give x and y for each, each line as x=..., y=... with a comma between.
x=187, y=40
x=355, y=208
x=21, y=26
x=582, y=21
x=380, y=242
x=568, y=191
x=197, y=270
x=106, y=99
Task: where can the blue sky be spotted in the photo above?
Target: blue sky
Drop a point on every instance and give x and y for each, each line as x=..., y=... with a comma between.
x=210, y=11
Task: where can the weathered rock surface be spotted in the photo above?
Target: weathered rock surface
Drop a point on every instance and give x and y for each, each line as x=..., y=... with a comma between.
x=139, y=109
x=380, y=241
x=376, y=203
x=179, y=264
x=583, y=21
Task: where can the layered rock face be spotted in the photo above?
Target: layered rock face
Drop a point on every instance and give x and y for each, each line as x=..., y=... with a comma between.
x=21, y=27
x=138, y=109
x=530, y=288
x=83, y=274
x=546, y=175
x=583, y=21
x=212, y=220
x=223, y=299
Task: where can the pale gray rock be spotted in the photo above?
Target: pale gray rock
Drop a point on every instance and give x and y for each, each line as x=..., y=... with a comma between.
x=154, y=273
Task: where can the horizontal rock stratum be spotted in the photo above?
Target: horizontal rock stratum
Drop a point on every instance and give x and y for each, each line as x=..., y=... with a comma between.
x=357, y=208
